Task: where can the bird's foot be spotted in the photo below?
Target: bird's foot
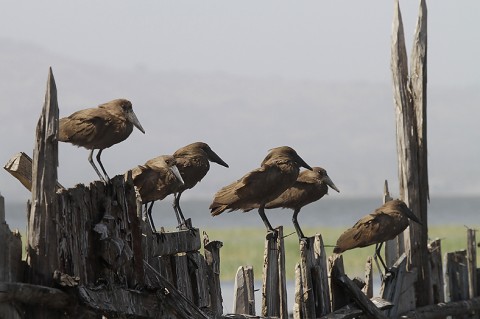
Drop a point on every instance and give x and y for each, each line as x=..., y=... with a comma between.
x=187, y=225
x=272, y=234
x=160, y=235
x=304, y=240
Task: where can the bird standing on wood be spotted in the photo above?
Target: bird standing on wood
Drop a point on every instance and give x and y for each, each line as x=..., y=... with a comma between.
x=155, y=180
x=99, y=128
x=278, y=171
x=385, y=223
x=193, y=162
x=309, y=187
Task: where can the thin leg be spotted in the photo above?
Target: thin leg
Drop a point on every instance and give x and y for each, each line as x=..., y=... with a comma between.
x=261, y=212
x=378, y=256
x=300, y=234
x=150, y=218
x=101, y=165
x=177, y=209
x=95, y=167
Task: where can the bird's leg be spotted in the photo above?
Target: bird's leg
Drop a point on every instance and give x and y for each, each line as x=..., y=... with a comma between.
x=150, y=218
x=261, y=212
x=378, y=254
x=101, y=165
x=300, y=234
x=178, y=210
x=95, y=167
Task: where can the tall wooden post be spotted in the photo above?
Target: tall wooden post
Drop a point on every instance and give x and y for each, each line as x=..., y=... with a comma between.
x=42, y=239
x=410, y=101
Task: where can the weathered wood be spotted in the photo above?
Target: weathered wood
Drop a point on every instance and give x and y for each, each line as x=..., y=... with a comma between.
x=313, y=290
x=243, y=297
x=182, y=279
x=472, y=263
x=212, y=257
x=34, y=295
x=442, y=310
x=398, y=287
x=456, y=276
x=369, y=309
x=11, y=264
x=197, y=268
x=353, y=311
x=274, y=292
x=337, y=293
x=180, y=241
x=368, y=289
x=297, y=306
x=20, y=167
x=42, y=237
x=436, y=272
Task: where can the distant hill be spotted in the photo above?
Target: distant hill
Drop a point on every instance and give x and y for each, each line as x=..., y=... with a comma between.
x=348, y=128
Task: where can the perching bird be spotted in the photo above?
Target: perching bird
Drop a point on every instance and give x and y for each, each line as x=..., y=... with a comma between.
x=155, y=180
x=385, y=223
x=278, y=171
x=193, y=164
x=99, y=128
x=309, y=187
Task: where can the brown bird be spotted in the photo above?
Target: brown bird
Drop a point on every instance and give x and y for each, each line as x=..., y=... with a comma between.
x=193, y=162
x=278, y=171
x=385, y=223
x=155, y=180
x=309, y=187
x=99, y=128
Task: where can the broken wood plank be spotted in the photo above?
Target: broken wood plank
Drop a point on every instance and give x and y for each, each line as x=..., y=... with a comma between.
x=353, y=311
x=368, y=288
x=274, y=292
x=398, y=288
x=34, y=295
x=20, y=167
x=337, y=293
x=456, y=276
x=442, y=310
x=369, y=309
x=11, y=264
x=170, y=243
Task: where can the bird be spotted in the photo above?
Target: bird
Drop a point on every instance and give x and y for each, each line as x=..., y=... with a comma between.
x=385, y=223
x=193, y=162
x=278, y=171
x=99, y=128
x=309, y=187
x=155, y=180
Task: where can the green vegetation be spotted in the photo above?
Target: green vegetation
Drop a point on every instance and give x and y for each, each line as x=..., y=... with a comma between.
x=246, y=247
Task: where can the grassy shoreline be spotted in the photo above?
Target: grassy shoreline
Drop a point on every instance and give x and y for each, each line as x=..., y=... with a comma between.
x=245, y=246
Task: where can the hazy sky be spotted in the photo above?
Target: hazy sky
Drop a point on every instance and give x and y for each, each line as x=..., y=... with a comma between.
x=329, y=41
x=326, y=40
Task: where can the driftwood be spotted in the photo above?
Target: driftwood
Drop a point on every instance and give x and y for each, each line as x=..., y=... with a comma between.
x=441, y=310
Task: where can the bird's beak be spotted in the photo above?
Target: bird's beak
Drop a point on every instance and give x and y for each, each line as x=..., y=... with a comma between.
x=412, y=216
x=134, y=120
x=330, y=183
x=212, y=156
x=302, y=163
x=177, y=174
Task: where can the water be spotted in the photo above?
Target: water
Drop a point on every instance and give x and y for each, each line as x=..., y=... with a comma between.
x=327, y=212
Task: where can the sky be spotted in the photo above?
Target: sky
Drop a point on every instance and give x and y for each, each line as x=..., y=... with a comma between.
x=324, y=40
x=344, y=41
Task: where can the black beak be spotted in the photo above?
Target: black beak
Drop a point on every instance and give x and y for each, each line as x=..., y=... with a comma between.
x=213, y=157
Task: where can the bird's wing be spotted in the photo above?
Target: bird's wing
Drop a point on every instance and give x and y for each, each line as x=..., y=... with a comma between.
x=85, y=125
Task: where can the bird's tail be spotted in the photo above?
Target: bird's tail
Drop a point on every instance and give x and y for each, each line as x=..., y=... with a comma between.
x=337, y=250
x=217, y=210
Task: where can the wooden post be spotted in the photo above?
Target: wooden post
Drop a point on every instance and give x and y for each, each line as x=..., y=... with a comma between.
x=472, y=263
x=337, y=293
x=212, y=257
x=456, y=276
x=410, y=101
x=435, y=250
x=42, y=239
x=368, y=289
x=274, y=292
x=243, y=298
